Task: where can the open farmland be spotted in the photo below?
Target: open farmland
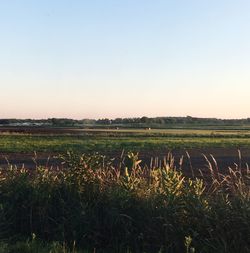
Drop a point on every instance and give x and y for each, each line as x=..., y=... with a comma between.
x=81, y=201
x=91, y=204
x=18, y=144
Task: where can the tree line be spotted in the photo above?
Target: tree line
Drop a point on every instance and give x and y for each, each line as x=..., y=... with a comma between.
x=129, y=122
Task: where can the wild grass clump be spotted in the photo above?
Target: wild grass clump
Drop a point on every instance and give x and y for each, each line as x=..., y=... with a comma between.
x=106, y=206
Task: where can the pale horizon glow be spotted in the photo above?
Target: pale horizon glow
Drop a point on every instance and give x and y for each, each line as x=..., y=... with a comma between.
x=108, y=59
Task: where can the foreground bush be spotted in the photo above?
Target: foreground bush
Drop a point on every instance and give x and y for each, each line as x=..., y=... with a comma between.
x=36, y=246
x=93, y=204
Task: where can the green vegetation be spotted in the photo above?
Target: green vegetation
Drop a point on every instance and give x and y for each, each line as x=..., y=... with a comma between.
x=97, y=206
x=142, y=122
x=36, y=246
x=117, y=140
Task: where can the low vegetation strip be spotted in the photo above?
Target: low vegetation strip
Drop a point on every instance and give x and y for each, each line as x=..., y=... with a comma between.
x=23, y=143
x=97, y=206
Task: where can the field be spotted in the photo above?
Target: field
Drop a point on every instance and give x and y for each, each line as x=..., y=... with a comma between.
x=81, y=201
x=19, y=143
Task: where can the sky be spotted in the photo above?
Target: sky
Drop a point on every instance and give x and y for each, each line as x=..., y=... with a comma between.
x=132, y=58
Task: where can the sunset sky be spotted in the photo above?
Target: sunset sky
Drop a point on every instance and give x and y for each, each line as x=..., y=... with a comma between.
x=95, y=59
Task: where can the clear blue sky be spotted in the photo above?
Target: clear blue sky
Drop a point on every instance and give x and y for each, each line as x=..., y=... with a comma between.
x=95, y=59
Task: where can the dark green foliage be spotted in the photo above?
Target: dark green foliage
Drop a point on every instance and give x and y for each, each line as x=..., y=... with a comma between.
x=93, y=204
x=157, y=122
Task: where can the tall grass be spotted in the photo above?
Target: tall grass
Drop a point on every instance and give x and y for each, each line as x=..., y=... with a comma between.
x=94, y=203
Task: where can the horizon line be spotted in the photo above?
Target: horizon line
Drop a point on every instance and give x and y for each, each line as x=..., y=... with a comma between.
x=113, y=118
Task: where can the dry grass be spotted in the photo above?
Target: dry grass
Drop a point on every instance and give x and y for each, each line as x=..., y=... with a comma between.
x=96, y=204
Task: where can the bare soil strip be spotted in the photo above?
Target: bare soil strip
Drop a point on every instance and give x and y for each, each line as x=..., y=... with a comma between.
x=225, y=157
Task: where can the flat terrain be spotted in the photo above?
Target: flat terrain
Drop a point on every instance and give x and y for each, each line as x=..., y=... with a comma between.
x=18, y=144
x=104, y=206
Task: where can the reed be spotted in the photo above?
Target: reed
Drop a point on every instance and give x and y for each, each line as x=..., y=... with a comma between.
x=93, y=202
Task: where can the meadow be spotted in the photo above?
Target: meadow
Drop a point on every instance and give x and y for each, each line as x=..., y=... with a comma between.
x=119, y=204
x=108, y=140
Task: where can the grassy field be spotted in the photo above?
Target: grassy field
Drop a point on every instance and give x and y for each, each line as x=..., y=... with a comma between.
x=117, y=140
x=94, y=204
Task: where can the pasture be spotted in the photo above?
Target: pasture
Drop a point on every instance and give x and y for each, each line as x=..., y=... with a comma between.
x=25, y=140
x=83, y=201
x=18, y=144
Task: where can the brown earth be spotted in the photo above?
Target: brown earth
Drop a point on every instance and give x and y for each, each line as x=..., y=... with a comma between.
x=39, y=130
x=225, y=157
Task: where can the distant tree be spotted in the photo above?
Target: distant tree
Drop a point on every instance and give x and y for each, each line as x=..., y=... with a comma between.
x=144, y=120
